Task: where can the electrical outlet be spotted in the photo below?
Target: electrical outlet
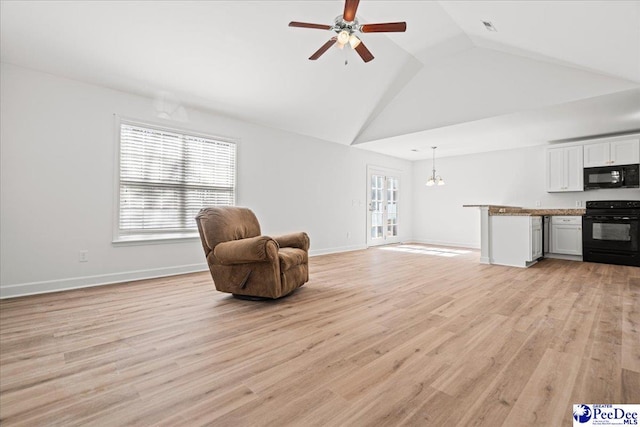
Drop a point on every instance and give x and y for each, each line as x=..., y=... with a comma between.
x=83, y=256
x=538, y=203
x=578, y=203
x=348, y=234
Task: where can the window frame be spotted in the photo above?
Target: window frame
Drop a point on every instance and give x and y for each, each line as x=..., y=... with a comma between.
x=155, y=236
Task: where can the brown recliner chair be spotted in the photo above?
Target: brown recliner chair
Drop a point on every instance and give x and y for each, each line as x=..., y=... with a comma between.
x=247, y=264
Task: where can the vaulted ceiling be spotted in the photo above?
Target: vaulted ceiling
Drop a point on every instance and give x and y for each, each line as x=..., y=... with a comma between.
x=553, y=69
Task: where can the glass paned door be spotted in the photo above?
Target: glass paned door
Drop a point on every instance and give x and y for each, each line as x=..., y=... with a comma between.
x=376, y=207
x=382, y=215
x=392, y=206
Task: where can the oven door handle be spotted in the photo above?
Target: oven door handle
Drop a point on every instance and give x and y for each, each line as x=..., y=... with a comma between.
x=614, y=218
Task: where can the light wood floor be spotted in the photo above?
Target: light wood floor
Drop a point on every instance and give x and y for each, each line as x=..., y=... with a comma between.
x=377, y=337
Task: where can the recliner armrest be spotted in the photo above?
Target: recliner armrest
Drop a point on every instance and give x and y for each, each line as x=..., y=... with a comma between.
x=294, y=240
x=253, y=249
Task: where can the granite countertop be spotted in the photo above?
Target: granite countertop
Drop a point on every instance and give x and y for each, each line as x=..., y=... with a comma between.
x=499, y=210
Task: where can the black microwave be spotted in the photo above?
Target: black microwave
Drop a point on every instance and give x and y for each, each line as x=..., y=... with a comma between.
x=623, y=176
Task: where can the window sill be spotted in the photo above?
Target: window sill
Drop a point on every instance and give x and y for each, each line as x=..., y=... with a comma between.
x=154, y=239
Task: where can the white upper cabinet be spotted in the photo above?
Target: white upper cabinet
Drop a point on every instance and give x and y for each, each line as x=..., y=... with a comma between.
x=555, y=169
x=564, y=169
x=625, y=152
x=596, y=155
x=608, y=153
x=575, y=169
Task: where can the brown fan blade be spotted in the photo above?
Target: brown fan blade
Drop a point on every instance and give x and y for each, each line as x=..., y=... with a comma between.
x=364, y=52
x=307, y=25
x=324, y=48
x=350, y=7
x=389, y=27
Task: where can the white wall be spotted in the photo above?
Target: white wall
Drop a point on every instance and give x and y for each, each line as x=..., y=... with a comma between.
x=509, y=177
x=57, y=185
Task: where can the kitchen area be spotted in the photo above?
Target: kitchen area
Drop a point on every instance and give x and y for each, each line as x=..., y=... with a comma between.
x=605, y=231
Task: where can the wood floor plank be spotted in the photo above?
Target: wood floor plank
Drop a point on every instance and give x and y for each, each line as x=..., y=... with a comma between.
x=410, y=353
x=631, y=325
x=492, y=406
x=630, y=386
x=544, y=399
x=386, y=336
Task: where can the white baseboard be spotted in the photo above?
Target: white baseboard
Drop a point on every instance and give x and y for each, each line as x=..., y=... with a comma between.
x=47, y=286
x=316, y=252
x=33, y=288
x=563, y=256
x=441, y=243
x=506, y=264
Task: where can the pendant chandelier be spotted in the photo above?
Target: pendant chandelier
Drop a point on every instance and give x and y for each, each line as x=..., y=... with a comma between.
x=434, y=179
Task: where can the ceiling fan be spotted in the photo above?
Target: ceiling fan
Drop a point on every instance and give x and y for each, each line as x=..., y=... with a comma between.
x=345, y=26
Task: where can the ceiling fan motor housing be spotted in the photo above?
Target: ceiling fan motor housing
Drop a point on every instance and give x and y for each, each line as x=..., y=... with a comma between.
x=341, y=25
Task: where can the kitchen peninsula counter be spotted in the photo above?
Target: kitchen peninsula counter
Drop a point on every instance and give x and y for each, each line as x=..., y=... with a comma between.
x=518, y=211
x=488, y=235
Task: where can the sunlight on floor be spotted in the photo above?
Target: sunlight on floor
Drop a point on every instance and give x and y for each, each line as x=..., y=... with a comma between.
x=426, y=250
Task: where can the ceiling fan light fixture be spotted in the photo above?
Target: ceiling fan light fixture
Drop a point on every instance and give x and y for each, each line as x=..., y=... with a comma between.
x=343, y=37
x=354, y=41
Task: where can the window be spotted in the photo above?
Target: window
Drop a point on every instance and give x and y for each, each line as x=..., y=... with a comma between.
x=166, y=177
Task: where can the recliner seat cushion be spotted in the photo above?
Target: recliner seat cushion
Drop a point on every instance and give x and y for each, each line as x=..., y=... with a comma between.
x=291, y=257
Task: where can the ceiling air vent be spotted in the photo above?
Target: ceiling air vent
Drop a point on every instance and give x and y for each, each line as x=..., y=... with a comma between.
x=489, y=26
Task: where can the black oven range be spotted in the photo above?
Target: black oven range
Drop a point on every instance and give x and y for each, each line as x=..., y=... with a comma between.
x=610, y=232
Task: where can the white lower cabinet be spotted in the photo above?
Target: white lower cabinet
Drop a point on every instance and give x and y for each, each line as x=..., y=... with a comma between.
x=515, y=240
x=566, y=235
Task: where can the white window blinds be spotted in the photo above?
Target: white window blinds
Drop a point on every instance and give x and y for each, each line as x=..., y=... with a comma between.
x=167, y=177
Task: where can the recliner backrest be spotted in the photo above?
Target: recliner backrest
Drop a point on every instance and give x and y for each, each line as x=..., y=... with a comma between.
x=224, y=223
